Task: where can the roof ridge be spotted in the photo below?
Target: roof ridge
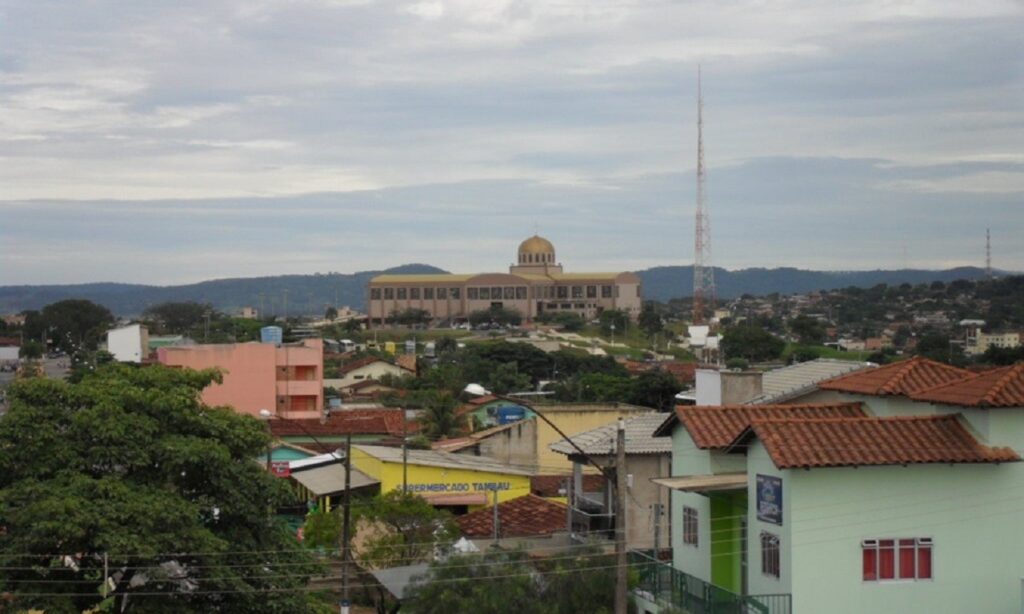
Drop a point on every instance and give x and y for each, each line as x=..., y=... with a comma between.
x=839, y=419
x=1002, y=382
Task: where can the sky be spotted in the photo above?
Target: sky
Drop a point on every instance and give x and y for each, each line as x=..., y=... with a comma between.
x=171, y=142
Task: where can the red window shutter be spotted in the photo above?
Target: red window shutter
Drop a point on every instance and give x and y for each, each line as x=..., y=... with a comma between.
x=870, y=563
x=886, y=560
x=924, y=562
x=907, y=559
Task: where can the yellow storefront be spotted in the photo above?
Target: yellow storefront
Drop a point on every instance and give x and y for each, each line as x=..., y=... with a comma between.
x=442, y=478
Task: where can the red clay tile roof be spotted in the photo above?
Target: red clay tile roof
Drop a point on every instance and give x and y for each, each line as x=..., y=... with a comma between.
x=718, y=426
x=355, y=421
x=901, y=440
x=407, y=362
x=487, y=398
x=684, y=372
x=526, y=516
x=1002, y=387
x=899, y=378
x=548, y=485
x=362, y=362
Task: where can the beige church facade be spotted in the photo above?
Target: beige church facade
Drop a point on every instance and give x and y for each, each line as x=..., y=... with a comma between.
x=534, y=285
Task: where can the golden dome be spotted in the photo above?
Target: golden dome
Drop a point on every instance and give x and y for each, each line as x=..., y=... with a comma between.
x=536, y=245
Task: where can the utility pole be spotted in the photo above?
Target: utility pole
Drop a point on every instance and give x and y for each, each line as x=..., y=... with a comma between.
x=496, y=519
x=988, y=254
x=346, y=525
x=405, y=454
x=621, y=569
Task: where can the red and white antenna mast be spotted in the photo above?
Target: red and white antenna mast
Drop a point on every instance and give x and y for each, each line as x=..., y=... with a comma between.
x=703, y=273
x=988, y=254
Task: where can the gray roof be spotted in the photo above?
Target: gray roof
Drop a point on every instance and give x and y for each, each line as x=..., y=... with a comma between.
x=330, y=479
x=640, y=437
x=436, y=458
x=780, y=385
x=398, y=579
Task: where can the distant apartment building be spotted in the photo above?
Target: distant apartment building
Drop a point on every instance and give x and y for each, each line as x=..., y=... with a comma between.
x=129, y=343
x=977, y=342
x=534, y=285
x=287, y=379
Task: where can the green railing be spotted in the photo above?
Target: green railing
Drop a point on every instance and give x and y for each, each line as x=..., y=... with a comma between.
x=667, y=585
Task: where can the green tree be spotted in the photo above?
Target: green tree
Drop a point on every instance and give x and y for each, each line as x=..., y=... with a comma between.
x=506, y=378
x=401, y=529
x=410, y=317
x=613, y=317
x=446, y=345
x=129, y=464
x=438, y=419
x=178, y=317
x=501, y=316
x=656, y=389
x=31, y=350
x=938, y=347
x=322, y=529
x=649, y=320
x=808, y=330
x=751, y=342
x=493, y=583
x=72, y=325
x=331, y=313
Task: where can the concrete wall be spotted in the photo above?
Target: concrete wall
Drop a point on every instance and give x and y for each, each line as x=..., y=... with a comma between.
x=688, y=459
x=970, y=511
x=571, y=420
x=641, y=522
x=128, y=343
x=515, y=446
x=251, y=375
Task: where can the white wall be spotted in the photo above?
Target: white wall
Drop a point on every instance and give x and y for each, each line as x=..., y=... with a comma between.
x=9, y=352
x=129, y=343
x=708, y=385
x=972, y=512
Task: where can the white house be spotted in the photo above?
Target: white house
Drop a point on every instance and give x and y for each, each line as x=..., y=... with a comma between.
x=128, y=343
x=369, y=368
x=899, y=493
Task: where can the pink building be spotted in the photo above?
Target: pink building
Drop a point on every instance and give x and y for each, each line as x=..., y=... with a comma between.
x=286, y=379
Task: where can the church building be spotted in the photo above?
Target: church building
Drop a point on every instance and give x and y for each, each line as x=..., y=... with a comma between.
x=535, y=284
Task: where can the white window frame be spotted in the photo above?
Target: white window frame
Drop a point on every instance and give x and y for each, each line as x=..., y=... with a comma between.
x=919, y=543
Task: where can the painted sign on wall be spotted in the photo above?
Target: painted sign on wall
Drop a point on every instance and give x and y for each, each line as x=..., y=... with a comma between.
x=769, y=499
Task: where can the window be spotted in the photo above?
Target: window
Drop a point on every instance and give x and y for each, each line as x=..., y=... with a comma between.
x=428, y=294
x=442, y=293
x=577, y=291
x=485, y=294
x=402, y=293
x=690, y=526
x=414, y=294
x=496, y=292
x=591, y=291
x=471, y=293
x=389, y=294
x=455, y=293
x=770, y=563
x=606, y=291
x=897, y=559
x=374, y=294
x=562, y=292
x=520, y=292
x=509, y=292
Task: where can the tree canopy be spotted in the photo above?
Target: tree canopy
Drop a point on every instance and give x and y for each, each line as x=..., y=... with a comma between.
x=72, y=325
x=401, y=529
x=129, y=464
x=751, y=342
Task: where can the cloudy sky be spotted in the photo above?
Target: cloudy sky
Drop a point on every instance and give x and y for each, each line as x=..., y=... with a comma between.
x=166, y=142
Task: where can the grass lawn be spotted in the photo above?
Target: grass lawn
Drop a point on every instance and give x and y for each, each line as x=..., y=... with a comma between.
x=825, y=352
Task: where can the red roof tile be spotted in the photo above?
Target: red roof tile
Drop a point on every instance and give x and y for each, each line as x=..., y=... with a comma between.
x=526, y=516
x=719, y=425
x=843, y=442
x=362, y=362
x=1002, y=387
x=549, y=485
x=899, y=378
x=355, y=421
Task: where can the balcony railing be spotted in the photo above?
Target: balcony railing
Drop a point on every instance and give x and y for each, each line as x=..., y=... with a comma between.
x=664, y=584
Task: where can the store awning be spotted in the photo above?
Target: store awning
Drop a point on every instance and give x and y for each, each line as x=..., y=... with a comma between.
x=479, y=498
x=704, y=483
x=330, y=479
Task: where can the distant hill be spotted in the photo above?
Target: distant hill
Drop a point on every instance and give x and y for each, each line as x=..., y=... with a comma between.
x=663, y=283
x=310, y=294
